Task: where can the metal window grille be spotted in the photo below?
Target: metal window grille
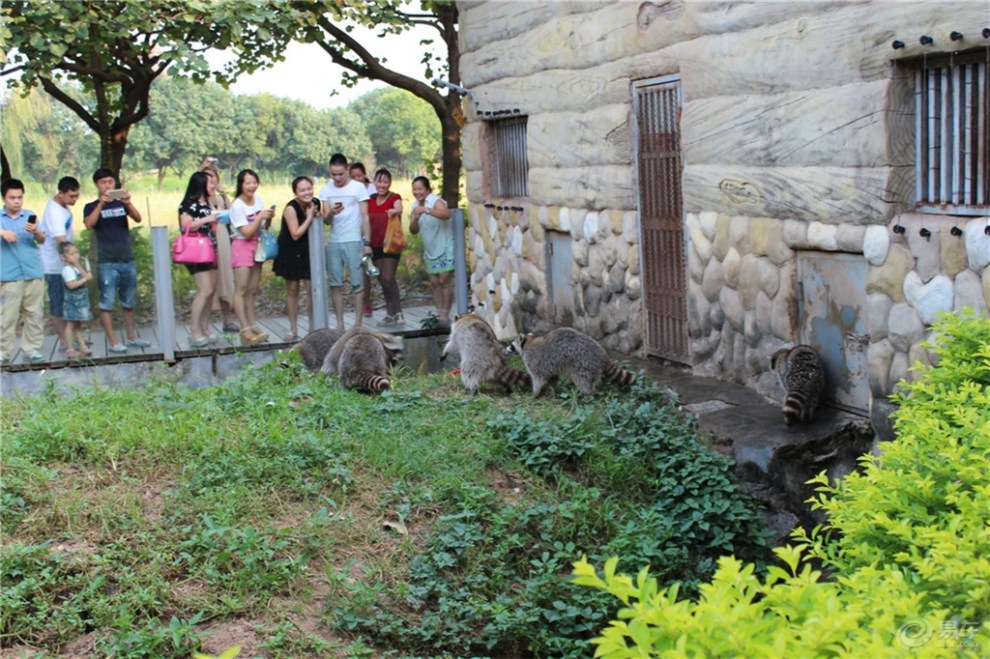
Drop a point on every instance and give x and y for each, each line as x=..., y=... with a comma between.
x=952, y=110
x=509, y=162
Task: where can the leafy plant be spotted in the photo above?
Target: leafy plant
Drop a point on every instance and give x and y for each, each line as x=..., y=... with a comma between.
x=906, y=546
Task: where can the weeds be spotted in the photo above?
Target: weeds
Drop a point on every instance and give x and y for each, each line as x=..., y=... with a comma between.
x=137, y=516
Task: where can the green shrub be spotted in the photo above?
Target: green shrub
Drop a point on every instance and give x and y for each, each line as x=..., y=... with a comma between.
x=907, y=546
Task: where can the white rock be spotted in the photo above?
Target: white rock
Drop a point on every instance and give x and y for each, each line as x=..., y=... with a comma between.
x=708, y=220
x=490, y=282
x=969, y=292
x=591, y=227
x=928, y=299
x=565, y=222
x=904, y=327
x=876, y=243
x=513, y=283
x=822, y=236
x=630, y=227
x=516, y=239
x=978, y=243
x=492, y=228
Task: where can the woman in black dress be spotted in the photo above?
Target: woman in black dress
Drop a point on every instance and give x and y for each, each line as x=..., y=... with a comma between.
x=292, y=262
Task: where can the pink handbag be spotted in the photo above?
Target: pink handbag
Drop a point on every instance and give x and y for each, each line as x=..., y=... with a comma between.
x=193, y=248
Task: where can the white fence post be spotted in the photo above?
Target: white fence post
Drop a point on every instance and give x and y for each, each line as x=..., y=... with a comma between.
x=164, y=300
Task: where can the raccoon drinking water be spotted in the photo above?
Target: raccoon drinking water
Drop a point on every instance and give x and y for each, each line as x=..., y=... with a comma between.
x=482, y=356
x=361, y=359
x=566, y=351
x=800, y=371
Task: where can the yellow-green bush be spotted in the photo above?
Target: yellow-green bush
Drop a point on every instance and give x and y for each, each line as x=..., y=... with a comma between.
x=906, y=549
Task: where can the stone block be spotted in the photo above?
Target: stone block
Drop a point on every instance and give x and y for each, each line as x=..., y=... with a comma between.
x=927, y=252
x=634, y=286
x=535, y=229
x=516, y=240
x=701, y=244
x=739, y=234
x=596, y=265
x=920, y=359
x=576, y=227
x=904, y=327
x=822, y=236
x=730, y=267
x=898, y=370
x=711, y=281
x=977, y=243
x=593, y=227
x=930, y=298
x=716, y=316
x=764, y=311
x=878, y=358
x=708, y=220
x=615, y=222
x=749, y=280
x=630, y=227
x=969, y=292
x=615, y=281
x=769, y=276
x=849, y=238
x=877, y=309
x=881, y=418
x=699, y=324
x=783, y=318
x=760, y=234
x=777, y=250
x=632, y=257
x=953, y=257
x=795, y=234
x=720, y=244
x=592, y=299
x=732, y=307
x=889, y=277
x=876, y=242
x=579, y=252
x=751, y=329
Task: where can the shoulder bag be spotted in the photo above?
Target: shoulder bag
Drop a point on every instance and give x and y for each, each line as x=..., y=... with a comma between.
x=267, y=248
x=193, y=247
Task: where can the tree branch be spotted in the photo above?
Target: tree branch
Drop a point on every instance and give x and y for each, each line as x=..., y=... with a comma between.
x=71, y=103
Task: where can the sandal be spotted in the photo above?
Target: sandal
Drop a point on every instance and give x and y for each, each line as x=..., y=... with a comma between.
x=291, y=338
x=70, y=354
x=231, y=327
x=85, y=352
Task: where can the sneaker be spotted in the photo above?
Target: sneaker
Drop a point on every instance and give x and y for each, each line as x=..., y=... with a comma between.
x=118, y=348
x=138, y=343
x=387, y=321
x=399, y=319
x=212, y=338
x=367, y=312
x=37, y=357
x=199, y=342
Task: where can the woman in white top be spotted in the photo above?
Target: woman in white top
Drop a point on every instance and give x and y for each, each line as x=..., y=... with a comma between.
x=248, y=216
x=431, y=216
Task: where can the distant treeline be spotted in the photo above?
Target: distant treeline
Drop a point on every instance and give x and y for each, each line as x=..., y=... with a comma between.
x=44, y=141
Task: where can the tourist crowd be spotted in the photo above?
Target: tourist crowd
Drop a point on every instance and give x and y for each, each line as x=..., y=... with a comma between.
x=224, y=244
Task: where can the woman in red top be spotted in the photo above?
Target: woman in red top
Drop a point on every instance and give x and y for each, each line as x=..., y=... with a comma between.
x=381, y=206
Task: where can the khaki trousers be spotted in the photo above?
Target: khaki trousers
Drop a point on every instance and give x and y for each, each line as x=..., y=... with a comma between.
x=22, y=299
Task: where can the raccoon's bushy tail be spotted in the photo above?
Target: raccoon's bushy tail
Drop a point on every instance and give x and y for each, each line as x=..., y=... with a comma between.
x=368, y=382
x=619, y=375
x=796, y=407
x=513, y=379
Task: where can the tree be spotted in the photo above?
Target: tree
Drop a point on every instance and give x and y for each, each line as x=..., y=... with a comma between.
x=402, y=129
x=116, y=49
x=327, y=23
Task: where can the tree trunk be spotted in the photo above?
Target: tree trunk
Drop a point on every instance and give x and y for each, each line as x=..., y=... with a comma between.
x=451, y=158
x=118, y=146
x=4, y=165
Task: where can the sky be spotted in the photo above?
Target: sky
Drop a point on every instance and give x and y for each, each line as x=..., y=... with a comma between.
x=307, y=73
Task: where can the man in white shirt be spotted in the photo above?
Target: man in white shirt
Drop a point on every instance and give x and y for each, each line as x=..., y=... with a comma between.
x=345, y=208
x=56, y=224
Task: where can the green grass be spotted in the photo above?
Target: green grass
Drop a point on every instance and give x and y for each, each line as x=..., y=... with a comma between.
x=321, y=522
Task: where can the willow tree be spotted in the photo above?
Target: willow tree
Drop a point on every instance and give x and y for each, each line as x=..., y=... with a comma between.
x=116, y=49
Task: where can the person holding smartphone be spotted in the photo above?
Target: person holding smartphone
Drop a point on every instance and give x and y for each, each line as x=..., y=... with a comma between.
x=248, y=216
x=116, y=272
x=22, y=288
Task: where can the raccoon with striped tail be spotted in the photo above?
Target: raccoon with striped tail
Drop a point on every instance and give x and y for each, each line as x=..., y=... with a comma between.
x=567, y=352
x=361, y=359
x=803, y=377
x=482, y=356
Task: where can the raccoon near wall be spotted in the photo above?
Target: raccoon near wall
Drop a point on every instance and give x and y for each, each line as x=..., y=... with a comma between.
x=567, y=352
x=482, y=356
x=801, y=373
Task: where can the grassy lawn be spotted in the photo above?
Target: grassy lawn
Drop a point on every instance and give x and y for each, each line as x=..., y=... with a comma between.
x=281, y=514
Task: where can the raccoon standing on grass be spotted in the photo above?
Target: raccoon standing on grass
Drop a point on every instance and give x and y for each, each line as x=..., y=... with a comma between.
x=566, y=351
x=800, y=371
x=482, y=355
x=361, y=359
x=314, y=348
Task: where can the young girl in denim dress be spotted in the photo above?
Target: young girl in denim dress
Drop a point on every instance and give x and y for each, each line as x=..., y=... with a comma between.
x=75, y=302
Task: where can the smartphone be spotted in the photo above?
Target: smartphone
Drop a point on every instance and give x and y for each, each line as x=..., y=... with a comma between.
x=211, y=159
x=86, y=263
x=32, y=219
x=117, y=194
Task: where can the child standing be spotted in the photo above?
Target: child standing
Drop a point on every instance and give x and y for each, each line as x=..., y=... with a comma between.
x=75, y=305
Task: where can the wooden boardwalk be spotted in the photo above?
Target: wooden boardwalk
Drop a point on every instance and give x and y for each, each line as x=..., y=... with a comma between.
x=276, y=327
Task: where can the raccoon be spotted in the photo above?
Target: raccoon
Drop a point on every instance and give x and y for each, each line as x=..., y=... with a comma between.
x=361, y=359
x=314, y=348
x=800, y=371
x=482, y=356
x=566, y=351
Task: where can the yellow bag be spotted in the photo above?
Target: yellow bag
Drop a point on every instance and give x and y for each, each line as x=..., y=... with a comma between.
x=395, y=239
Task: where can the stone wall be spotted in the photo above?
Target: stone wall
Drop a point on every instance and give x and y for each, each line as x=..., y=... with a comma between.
x=796, y=134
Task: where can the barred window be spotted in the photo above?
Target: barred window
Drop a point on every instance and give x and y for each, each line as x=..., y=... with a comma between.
x=509, y=165
x=952, y=106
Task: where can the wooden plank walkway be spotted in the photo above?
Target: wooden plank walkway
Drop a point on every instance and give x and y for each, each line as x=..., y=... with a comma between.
x=276, y=327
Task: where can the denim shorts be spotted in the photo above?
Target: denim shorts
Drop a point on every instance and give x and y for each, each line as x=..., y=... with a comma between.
x=349, y=255
x=56, y=289
x=117, y=279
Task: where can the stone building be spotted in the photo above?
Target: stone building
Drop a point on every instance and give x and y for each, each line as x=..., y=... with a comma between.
x=708, y=182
